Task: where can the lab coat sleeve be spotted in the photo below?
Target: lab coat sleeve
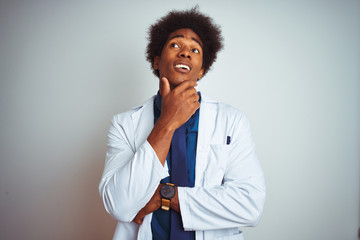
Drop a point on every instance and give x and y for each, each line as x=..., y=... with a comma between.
x=239, y=199
x=130, y=175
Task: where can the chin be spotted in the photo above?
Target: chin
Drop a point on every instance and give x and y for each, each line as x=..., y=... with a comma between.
x=176, y=80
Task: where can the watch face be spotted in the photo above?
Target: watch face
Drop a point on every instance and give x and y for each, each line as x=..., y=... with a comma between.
x=167, y=191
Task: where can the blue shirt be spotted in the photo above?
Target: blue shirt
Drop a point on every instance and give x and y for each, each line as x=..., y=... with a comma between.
x=160, y=223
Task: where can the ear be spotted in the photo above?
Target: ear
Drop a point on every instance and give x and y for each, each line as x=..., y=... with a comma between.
x=201, y=73
x=156, y=62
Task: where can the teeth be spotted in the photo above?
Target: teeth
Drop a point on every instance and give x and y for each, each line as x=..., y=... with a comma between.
x=182, y=66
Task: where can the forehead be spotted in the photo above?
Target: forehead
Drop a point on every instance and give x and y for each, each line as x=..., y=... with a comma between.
x=185, y=33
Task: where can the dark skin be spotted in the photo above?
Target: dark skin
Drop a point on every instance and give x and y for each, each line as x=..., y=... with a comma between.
x=180, y=66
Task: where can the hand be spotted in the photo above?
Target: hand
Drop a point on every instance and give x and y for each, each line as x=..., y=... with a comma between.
x=153, y=205
x=178, y=104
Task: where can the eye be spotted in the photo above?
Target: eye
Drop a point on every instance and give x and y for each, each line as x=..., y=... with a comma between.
x=195, y=50
x=174, y=45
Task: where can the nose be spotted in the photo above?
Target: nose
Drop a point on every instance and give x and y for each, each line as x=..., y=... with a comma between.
x=185, y=53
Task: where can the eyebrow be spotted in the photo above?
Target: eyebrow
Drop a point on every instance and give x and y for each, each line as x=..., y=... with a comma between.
x=182, y=36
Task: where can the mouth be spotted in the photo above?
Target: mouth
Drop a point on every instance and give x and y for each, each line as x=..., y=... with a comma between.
x=182, y=67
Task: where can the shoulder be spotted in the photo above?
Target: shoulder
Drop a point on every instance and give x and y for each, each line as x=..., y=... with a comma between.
x=131, y=115
x=220, y=107
x=125, y=125
x=226, y=117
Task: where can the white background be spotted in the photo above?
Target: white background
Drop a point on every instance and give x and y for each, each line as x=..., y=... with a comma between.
x=66, y=67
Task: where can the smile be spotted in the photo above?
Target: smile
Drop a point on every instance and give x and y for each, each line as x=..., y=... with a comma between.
x=182, y=66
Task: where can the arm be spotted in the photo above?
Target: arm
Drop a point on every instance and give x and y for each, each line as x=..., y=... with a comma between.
x=131, y=175
x=124, y=193
x=177, y=107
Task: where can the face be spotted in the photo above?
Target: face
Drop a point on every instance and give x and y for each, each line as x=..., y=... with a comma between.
x=181, y=57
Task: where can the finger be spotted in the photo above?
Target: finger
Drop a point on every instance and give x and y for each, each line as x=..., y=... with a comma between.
x=164, y=86
x=196, y=106
x=138, y=220
x=139, y=216
x=190, y=92
x=194, y=98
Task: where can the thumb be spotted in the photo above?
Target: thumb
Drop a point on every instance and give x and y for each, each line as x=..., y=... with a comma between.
x=164, y=87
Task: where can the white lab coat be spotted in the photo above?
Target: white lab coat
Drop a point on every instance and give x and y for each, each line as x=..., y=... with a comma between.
x=229, y=187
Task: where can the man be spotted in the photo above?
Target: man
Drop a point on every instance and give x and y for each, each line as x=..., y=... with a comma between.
x=182, y=166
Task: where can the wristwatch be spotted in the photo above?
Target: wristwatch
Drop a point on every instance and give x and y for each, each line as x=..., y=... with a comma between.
x=167, y=192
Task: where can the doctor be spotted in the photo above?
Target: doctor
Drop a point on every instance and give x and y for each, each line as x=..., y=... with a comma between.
x=182, y=166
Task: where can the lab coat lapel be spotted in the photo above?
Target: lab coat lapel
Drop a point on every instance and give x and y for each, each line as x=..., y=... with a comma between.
x=143, y=122
x=207, y=121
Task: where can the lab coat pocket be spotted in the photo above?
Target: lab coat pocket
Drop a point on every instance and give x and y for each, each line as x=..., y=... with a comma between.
x=216, y=164
x=238, y=236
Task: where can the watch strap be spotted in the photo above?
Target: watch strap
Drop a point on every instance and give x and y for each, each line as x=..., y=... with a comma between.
x=165, y=204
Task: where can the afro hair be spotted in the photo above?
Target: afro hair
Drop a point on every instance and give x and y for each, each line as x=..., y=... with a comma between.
x=202, y=25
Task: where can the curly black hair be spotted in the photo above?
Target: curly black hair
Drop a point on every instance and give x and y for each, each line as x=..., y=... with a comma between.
x=202, y=25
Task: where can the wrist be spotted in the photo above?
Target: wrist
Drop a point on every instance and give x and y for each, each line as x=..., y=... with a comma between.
x=167, y=126
x=167, y=193
x=175, y=201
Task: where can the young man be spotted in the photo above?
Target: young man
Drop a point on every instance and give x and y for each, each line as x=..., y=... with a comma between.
x=182, y=166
